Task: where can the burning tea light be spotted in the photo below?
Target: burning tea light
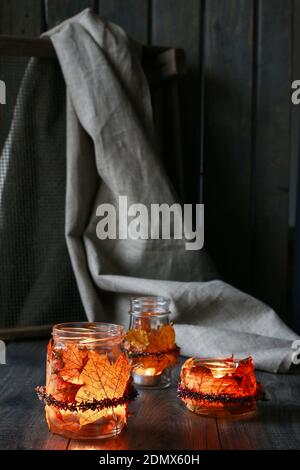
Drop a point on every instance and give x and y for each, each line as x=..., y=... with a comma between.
x=219, y=386
x=150, y=342
x=88, y=383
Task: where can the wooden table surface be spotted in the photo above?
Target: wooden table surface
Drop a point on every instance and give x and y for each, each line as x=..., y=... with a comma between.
x=159, y=419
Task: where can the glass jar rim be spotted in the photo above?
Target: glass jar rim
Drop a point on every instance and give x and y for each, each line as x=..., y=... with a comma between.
x=218, y=361
x=99, y=331
x=151, y=305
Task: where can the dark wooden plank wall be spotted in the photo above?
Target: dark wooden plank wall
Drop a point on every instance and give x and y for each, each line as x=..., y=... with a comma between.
x=132, y=15
x=22, y=17
x=239, y=55
x=248, y=57
x=169, y=26
x=58, y=10
x=227, y=138
x=271, y=152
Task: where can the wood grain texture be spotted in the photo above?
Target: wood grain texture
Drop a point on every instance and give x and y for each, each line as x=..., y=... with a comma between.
x=21, y=17
x=18, y=46
x=294, y=190
x=59, y=10
x=167, y=120
x=228, y=136
x=178, y=24
x=159, y=419
x=276, y=425
x=131, y=15
x=22, y=423
x=271, y=160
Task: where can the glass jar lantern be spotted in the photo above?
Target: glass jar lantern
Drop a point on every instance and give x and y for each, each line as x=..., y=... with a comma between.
x=88, y=383
x=150, y=342
x=219, y=387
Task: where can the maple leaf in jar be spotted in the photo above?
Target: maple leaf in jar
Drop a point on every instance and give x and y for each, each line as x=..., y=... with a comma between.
x=56, y=384
x=74, y=360
x=102, y=380
x=153, y=349
x=88, y=383
x=137, y=339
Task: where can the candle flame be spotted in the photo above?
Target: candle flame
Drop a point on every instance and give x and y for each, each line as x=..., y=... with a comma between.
x=220, y=367
x=148, y=372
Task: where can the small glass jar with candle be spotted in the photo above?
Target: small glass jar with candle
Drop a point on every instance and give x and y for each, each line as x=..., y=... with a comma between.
x=223, y=386
x=150, y=342
x=88, y=382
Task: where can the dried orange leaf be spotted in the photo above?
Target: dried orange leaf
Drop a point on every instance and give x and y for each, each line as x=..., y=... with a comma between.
x=161, y=351
x=54, y=358
x=102, y=380
x=61, y=390
x=167, y=337
x=162, y=339
x=238, y=383
x=74, y=360
x=55, y=384
x=138, y=339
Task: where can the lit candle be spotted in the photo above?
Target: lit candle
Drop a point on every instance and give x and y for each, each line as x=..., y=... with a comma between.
x=219, y=386
x=88, y=383
x=150, y=342
x=149, y=372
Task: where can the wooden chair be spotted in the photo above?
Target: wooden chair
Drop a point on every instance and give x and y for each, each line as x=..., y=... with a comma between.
x=163, y=68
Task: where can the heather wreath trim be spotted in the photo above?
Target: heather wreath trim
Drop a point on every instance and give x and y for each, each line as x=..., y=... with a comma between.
x=223, y=398
x=95, y=405
x=157, y=354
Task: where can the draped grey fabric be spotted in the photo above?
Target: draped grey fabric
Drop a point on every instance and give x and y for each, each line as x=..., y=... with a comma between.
x=111, y=153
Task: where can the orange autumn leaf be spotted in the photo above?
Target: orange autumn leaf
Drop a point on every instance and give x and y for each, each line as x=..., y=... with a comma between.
x=102, y=380
x=240, y=382
x=54, y=359
x=56, y=386
x=49, y=351
x=74, y=360
x=162, y=339
x=167, y=337
x=156, y=340
x=194, y=376
x=245, y=370
x=62, y=390
x=138, y=339
x=161, y=351
x=60, y=421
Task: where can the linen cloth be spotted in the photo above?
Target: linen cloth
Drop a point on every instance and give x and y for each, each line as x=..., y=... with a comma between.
x=111, y=152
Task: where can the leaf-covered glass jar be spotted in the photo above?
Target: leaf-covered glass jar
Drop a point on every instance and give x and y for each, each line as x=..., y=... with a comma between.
x=150, y=342
x=219, y=386
x=88, y=383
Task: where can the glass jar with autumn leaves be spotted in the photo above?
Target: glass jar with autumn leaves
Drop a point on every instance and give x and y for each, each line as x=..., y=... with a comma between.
x=219, y=387
x=150, y=342
x=88, y=383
